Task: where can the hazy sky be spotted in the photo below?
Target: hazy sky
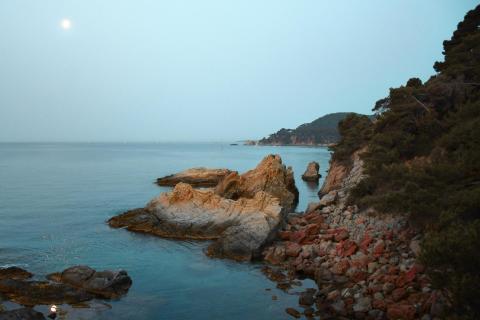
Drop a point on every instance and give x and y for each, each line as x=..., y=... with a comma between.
x=206, y=70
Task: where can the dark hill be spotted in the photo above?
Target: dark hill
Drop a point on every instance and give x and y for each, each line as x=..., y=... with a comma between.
x=323, y=130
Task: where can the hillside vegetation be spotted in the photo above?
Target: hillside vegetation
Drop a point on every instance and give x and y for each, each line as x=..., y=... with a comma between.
x=423, y=159
x=320, y=131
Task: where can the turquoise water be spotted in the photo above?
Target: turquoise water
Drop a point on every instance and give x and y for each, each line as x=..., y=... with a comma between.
x=55, y=199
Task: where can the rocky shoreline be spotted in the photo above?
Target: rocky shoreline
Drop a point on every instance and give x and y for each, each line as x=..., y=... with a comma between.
x=364, y=264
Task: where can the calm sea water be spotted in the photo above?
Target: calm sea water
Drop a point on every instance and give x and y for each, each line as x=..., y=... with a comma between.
x=55, y=199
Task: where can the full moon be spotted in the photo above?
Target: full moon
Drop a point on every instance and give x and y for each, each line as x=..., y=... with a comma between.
x=66, y=24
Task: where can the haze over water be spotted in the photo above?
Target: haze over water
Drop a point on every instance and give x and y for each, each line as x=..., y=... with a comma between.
x=55, y=199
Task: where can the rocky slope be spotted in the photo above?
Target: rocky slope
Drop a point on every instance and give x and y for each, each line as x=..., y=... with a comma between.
x=364, y=264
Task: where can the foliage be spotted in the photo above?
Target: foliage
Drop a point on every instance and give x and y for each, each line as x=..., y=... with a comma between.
x=354, y=131
x=423, y=159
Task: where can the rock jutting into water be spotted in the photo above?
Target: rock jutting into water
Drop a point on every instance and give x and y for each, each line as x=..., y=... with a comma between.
x=311, y=173
x=196, y=177
x=365, y=264
x=242, y=214
x=73, y=285
x=240, y=227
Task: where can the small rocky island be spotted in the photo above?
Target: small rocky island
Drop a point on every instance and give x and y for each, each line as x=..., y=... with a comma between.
x=312, y=173
x=242, y=213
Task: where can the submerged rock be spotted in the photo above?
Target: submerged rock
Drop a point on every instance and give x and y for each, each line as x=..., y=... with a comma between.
x=74, y=285
x=311, y=174
x=197, y=177
x=241, y=227
x=270, y=176
x=21, y=314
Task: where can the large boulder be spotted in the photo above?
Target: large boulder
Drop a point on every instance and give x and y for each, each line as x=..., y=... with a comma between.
x=197, y=177
x=270, y=176
x=240, y=227
x=107, y=284
x=21, y=314
x=14, y=273
x=311, y=173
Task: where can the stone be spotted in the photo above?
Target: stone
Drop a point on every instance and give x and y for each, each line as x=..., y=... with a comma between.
x=275, y=255
x=270, y=176
x=415, y=247
x=293, y=312
x=107, y=284
x=14, y=273
x=329, y=198
x=293, y=249
x=241, y=228
x=362, y=304
x=21, y=314
x=342, y=235
x=311, y=173
x=398, y=294
x=372, y=266
x=346, y=248
x=307, y=298
x=196, y=177
x=340, y=267
x=401, y=312
x=379, y=248
x=312, y=206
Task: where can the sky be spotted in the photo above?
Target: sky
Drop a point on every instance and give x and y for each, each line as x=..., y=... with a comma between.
x=211, y=70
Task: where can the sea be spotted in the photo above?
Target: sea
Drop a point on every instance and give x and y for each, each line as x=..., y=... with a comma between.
x=55, y=199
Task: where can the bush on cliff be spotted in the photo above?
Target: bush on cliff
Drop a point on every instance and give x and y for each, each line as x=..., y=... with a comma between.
x=423, y=158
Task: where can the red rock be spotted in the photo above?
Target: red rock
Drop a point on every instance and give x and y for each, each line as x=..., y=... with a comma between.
x=367, y=239
x=401, y=311
x=379, y=304
x=327, y=237
x=358, y=276
x=392, y=270
x=342, y=235
x=298, y=236
x=401, y=281
x=293, y=249
x=411, y=274
x=315, y=218
x=379, y=248
x=346, y=248
x=312, y=229
x=284, y=235
x=361, y=262
x=398, y=294
x=340, y=267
